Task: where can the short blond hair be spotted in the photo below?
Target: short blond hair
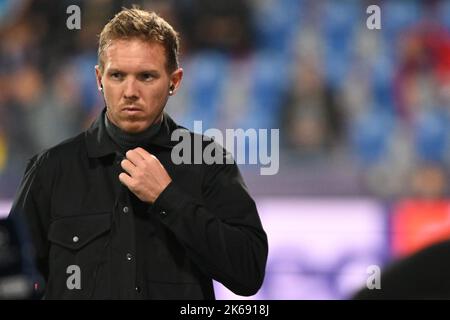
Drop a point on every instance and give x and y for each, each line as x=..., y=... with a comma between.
x=144, y=25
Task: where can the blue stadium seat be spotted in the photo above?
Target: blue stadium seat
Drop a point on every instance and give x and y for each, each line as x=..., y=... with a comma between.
x=275, y=24
x=444, y=11
x=431, y=135
x=399, y=15
x=270, y=78
x=206, y=73
x=369, y=136
x=382, y=85
x=84, y=64
x=339, y=22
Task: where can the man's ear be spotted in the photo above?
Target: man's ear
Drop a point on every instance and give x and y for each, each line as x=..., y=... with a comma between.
x=98, y=77
x=175, y=79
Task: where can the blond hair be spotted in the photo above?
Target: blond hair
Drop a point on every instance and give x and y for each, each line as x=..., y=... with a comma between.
x=144, y=25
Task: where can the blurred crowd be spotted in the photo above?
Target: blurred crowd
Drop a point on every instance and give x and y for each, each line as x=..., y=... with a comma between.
x=374, y=102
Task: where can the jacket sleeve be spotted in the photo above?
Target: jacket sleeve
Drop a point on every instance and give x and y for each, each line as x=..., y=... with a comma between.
x=30, y=211
x=223, y=233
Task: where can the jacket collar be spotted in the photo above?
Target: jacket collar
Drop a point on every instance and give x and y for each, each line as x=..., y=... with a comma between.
x=99, y=144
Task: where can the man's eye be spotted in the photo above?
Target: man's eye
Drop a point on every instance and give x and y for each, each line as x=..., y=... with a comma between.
x=116, y=75
x=147, y=76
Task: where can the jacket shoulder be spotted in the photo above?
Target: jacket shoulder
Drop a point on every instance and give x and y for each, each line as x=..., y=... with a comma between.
x=196, y=138
x=201, y=143
x=67, y=149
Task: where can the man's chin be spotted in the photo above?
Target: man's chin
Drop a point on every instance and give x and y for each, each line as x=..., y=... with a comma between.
x=134, y=126
x=135, y=130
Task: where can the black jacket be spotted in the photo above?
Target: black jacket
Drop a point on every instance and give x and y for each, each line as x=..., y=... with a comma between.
x=203, y=226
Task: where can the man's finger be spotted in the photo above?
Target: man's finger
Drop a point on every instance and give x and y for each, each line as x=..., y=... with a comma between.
x=125, y=179
x=143, y=153
x=134, y=157
x=128, y=166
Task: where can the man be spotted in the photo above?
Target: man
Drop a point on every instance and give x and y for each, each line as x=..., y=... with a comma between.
x=421, y=275
x=112, y=216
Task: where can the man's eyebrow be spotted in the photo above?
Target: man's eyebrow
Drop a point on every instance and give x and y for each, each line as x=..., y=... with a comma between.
x=148, y=71
x=113, y=70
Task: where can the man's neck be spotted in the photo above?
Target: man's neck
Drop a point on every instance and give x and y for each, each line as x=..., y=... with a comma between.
x=127, y=141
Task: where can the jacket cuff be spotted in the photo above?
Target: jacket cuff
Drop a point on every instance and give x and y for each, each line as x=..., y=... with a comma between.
x=169, y=202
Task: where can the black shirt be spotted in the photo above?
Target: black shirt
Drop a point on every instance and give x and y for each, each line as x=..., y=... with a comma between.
x=203, y=226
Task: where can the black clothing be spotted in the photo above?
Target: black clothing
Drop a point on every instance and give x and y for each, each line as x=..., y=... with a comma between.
x=203, y=226
x=419, y=276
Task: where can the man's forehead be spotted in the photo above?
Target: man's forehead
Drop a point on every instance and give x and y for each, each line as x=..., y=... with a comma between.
x=134, y=53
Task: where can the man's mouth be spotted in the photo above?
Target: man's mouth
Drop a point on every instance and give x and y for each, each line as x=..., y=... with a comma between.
x=131, y=108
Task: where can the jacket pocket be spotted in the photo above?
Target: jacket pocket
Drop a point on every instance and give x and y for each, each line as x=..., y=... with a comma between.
x=78, y=256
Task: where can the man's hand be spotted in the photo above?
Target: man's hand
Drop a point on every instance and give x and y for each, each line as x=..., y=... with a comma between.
x=145, y=176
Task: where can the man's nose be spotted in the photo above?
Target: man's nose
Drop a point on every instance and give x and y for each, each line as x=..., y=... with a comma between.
x=131, y=90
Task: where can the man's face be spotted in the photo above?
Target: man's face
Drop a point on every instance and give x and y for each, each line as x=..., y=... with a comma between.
x=136, y=83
